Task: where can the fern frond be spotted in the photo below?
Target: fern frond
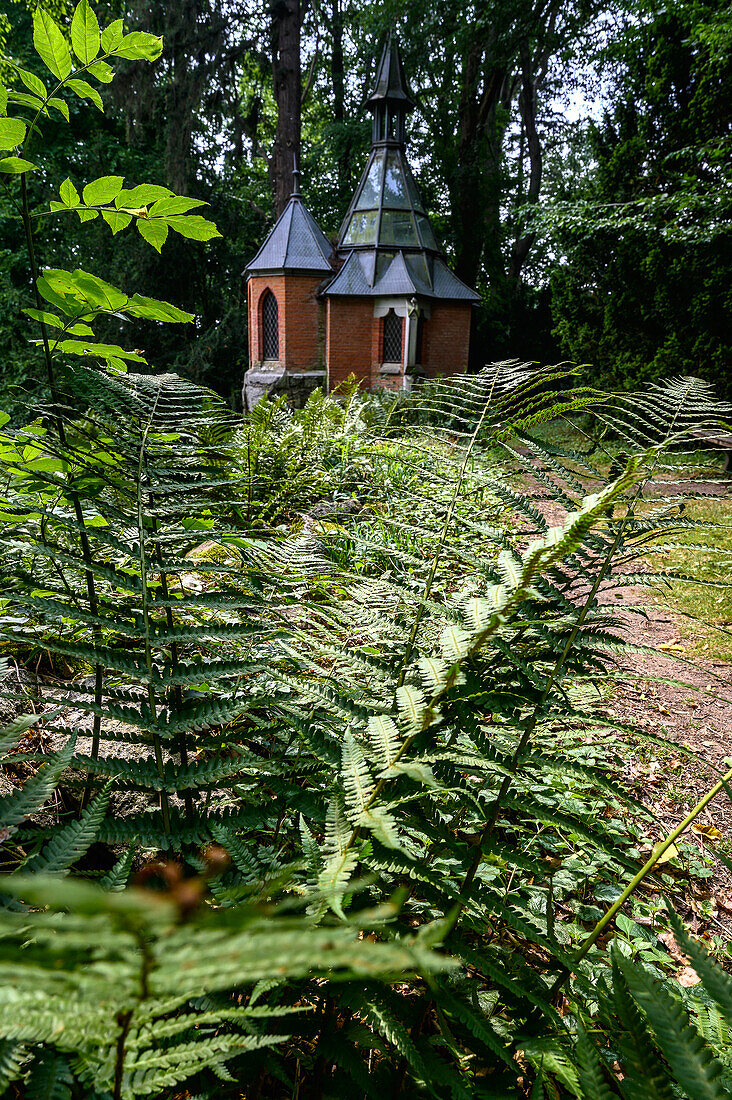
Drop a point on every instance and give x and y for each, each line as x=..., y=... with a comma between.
x=693, y=1064
x=589, y=1069
x=29, y=798
x=71, y=842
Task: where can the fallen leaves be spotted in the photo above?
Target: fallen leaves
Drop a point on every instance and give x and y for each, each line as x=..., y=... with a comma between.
x=707, y=830
x=671, y=852
x=688, y=977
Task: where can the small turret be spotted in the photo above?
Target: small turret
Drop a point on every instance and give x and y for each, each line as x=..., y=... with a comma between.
x=391, y=99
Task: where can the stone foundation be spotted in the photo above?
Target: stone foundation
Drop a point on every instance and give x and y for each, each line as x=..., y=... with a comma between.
x=295, y=385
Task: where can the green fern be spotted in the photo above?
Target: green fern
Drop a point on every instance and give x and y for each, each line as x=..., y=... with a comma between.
x=693, y=1064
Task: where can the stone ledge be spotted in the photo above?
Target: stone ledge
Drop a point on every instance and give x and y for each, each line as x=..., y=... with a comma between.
x=261, y=381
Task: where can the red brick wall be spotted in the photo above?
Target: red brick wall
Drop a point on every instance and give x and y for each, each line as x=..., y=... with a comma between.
x=299, y=313
x=446, y=339
x=352, y=339
x=257, y=287
x=304, y=337
x=353, y=335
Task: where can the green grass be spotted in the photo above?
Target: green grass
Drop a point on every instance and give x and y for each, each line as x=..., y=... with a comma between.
x=704, y=610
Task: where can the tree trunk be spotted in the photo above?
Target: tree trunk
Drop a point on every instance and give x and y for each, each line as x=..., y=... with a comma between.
x=286, y=79
x=343, y=151
x=533, y=71
x=477, y=187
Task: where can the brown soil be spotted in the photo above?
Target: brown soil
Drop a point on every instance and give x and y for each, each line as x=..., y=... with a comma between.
x=696, y=714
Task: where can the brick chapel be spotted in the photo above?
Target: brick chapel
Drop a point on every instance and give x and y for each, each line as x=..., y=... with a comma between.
x=381, y=304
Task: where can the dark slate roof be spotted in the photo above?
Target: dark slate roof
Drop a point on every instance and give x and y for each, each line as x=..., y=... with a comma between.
x=351, y=279
x=401, y=278
x=391, y=83
x=447, y=285
x=296, y=243
x=396, y=279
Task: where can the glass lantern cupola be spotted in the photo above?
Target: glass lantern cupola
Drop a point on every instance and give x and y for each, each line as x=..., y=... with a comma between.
x=387, y=209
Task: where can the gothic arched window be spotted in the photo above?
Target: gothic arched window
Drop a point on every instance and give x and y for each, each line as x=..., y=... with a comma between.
x=392, y=351
x=270, y=327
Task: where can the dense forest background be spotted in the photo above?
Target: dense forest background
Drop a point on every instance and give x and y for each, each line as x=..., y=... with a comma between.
x=575, y=158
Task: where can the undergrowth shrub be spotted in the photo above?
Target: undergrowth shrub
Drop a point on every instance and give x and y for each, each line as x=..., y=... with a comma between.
x=316, y=713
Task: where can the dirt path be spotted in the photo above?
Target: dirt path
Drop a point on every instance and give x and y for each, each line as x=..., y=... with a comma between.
x=696, y=714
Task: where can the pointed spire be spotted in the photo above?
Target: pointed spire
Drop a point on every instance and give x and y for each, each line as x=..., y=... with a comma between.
x=391, y=83
x=391, y=98
x=296, y=242
x=295, y=192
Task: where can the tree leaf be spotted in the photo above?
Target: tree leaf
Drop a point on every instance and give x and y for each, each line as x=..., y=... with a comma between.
x=112, y=35
x=60, y=105
x=103, y=190
x=33, y=83
x=142, y=195
x=69, y=194
x=85, y=33
x=100, y=351
x=153, y=310
x=50, y=44
x=174, y=204
x=194, y=226
x=139, y=46
x=102, y=71
x=15, y=166
x=85, y=91
x=155, y=233
x=116, y=219
x=27, y=100
x=12, y=132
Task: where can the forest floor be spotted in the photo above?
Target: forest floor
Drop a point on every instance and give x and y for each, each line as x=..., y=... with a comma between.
x=681, y=692
x=686, y=699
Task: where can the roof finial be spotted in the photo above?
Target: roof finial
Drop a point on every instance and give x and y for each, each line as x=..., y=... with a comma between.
x=391, y=83
x=295, y=193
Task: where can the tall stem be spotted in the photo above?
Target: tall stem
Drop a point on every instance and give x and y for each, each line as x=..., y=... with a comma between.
x=635, y=882
x=72, y=494
x=559, y=664
x=142, y=476
x=176, y=695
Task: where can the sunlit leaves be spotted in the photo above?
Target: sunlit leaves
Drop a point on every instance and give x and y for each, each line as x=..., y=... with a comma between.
x=84, y=90
x=12, y=132
x=103, y=72
x=50, y=44
x=154, y=232
x=33, y=83
x=112, y=35
x=153, y=310
x=116, y=220
x=60, y=105
x=86, y=42
x=15, y=166
x=81, y=296
x=154, y=209
x=85, y=33
x=139, y=46
x=193, y=226
x=103, y=190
